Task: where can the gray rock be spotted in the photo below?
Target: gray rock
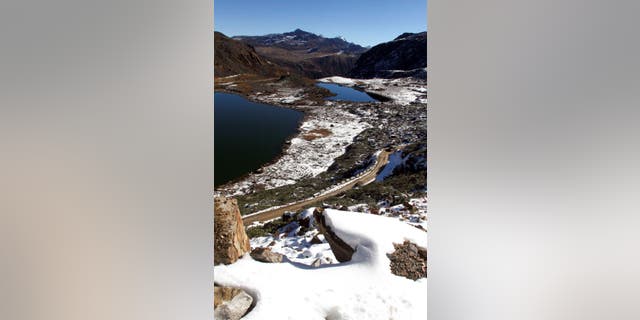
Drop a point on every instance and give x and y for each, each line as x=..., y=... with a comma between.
x=315, y=240
x=306, y=222
x=234, y=309
x=223, y=294
x=266, y=255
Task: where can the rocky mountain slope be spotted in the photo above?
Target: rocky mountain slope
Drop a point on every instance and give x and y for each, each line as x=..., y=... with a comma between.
x=404, y=56
x=233, y=57
x=306, y=53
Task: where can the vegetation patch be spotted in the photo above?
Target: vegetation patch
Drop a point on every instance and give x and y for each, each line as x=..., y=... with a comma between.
x=316, y=133
x=396, y=189
x=266, y=229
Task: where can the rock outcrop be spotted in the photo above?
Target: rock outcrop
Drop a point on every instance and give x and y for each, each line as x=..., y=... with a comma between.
x=230, y=239
x=341, y=249
x=230, y=303
x=404, y=56
x=409, y=261
x=266, y=255
x=224, y=294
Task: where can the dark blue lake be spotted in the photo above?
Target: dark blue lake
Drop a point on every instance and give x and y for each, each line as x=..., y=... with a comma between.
x=346, y=93
x=247, y=135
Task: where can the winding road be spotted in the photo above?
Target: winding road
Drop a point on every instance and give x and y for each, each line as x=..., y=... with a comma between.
x=382, y=160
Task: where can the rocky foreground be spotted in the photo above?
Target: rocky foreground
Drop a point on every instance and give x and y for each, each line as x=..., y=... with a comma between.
x=358, y=266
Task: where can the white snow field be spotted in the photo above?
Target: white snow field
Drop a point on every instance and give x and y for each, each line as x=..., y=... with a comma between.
x=363, y=288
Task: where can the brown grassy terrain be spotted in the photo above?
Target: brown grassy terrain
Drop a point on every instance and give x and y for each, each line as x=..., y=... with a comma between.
x=234, y=57
x=238, y=68
x=316, y=134
x=311, y=64
x=247, y=84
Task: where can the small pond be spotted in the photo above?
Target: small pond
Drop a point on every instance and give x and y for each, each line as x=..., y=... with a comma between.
x=345, y=93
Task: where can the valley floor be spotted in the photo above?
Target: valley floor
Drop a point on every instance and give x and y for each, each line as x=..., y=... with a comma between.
x=329, y=128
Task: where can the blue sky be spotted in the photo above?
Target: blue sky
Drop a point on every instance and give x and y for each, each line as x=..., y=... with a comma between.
x=365, y=22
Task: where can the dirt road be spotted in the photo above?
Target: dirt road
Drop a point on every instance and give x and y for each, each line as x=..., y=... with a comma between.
x=383, y=158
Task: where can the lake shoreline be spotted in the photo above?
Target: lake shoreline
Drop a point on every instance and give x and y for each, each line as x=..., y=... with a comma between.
x=283, y=148
x=305, y=109
x=315, y=117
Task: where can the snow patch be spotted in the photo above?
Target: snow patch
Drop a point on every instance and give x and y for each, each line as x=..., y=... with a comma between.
x=395, y=159
x=338, y=80
x=403, y=91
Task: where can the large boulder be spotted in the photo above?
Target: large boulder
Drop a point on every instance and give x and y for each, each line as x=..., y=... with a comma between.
x=230, y=239
x=230, y=303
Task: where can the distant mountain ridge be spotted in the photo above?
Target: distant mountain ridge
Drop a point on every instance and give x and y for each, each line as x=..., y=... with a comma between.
x=303, y=40
x=404, y=56
x=307, y=53
x=310, y=55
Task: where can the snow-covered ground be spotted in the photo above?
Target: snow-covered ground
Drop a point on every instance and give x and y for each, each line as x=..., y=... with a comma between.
x=401, y=90
x=415, y=214
x=395, y=159
x=339, y=80
x=298, y=248
x=231, y=76
x=283, y=95
x=363, y=288
x=306, y=157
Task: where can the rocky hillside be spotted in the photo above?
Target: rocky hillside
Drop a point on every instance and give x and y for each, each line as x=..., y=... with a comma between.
x=306, y=53
x=233, y=57
x=404, y=56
